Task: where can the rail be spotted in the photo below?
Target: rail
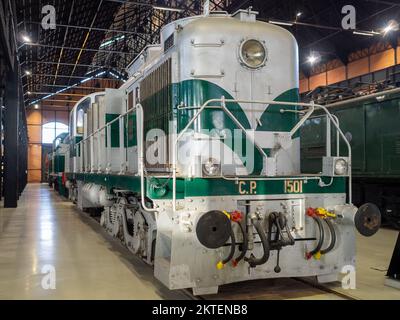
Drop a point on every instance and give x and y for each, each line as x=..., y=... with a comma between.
x=123, y=156
x=308, y=112
x=96, y=137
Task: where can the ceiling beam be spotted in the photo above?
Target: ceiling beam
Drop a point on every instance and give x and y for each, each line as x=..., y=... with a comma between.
x=73, y=48
x=67, y=76
x=88, y=28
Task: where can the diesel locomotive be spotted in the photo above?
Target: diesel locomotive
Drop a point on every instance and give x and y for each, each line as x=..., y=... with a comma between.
x=195, y=162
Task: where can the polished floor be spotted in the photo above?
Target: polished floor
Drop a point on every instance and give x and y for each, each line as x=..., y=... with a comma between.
x=46, y=242
x=47, y=234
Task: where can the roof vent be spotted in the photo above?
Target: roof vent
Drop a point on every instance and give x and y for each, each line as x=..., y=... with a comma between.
x=246, y=15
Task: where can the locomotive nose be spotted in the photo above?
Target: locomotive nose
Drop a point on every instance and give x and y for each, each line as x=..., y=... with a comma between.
x=367, y=219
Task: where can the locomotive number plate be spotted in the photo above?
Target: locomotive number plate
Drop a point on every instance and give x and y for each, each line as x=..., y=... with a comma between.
x=293, y=186
x=247, y=187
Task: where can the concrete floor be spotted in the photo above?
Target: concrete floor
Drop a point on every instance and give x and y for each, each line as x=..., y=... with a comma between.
x=46, y=231
x=373, y=259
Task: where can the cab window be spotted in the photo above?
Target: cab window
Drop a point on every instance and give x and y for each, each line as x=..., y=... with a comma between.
x=80, y=113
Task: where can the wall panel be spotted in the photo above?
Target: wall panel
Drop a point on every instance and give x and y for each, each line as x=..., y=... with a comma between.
x=382, y=60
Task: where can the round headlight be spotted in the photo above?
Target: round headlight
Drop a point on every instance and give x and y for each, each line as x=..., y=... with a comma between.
x=341, y=167
x=253, y=53
x=211, y=167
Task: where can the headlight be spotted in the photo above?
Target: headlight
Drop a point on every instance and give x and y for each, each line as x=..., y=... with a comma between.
x=341, y=167
x=211, y=167
x=253, y=53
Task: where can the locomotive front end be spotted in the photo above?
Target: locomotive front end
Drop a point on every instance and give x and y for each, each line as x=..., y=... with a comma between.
x=237, y=206
x=194, y=162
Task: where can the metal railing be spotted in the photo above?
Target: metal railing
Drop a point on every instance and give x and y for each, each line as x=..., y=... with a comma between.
x=81, y=147
x=308, y=112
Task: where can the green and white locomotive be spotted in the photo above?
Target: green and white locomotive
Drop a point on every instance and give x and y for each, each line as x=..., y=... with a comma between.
x=195, y=160
x=56, y=163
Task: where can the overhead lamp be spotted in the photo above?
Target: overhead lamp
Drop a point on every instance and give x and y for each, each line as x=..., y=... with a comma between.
x=392, y=26
x=27, y=72
x=312, y=59
x=29, y=92
x=364, y=33
x=167, y=8
x=26, y=39
x=283, y=23
x=36, y=106
x=299, y=14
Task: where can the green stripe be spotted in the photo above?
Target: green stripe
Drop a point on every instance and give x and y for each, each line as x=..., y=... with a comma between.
x=161, y=189
x=274, y=120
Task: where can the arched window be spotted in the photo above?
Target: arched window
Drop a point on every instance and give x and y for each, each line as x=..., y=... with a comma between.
x=51, y=130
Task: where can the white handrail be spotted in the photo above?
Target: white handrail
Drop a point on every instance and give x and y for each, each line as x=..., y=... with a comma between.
x=311, y=108
x=107, y=126
x=141, y=170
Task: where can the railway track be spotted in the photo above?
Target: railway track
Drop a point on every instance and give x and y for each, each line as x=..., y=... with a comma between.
x=274, y=289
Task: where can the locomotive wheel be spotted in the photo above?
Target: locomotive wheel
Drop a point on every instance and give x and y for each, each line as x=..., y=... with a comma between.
x=213, y=229
x=368, y=219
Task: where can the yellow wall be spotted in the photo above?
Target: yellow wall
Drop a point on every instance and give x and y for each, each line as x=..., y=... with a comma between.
x=374, y=62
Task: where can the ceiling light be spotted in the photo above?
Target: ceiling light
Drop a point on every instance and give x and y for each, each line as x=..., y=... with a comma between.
x=388, y=28
x=283, y=23
x=298, y=14
x=28, y=73
x=364, y=33
x=391, y=26
x=312, y=59
x=36, y=106
x=29, y=92
x=167, y=8
x=25, y=38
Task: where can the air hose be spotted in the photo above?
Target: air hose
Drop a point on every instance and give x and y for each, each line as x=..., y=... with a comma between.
x=252, y=260
x=223, y=262
x=280, y=222
x=320, y=241
x=244, y=245
x=333, y=237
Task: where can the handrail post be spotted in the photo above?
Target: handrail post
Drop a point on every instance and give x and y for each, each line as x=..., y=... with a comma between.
x=328, y=137
x=91, y=142
x=336, y=124
x=108, y=151
x=121, y=146
x=141, y=170
x=99, y=156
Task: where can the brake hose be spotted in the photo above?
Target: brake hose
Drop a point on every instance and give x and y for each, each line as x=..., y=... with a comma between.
x=320, y=241
x=333, y=237
x=253, y=261
x=221, y=263
x=244, y=246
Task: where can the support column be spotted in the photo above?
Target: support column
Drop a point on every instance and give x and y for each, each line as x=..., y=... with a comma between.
x=11, y=117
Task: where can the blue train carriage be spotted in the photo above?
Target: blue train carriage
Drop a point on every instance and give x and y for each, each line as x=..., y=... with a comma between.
x=56, y=163
x=371, y=125
x=195, y=161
